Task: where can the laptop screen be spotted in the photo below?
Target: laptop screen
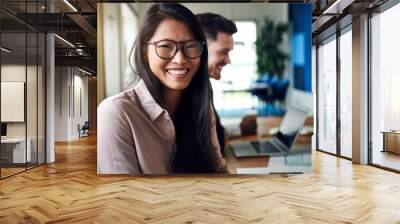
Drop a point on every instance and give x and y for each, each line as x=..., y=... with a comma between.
x=292, y=122
x=286, y=139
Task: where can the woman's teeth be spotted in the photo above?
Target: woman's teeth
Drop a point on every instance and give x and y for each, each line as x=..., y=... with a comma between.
x=177, y=71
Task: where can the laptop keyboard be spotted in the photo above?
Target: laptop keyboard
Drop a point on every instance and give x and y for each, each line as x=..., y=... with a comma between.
x=265, y=147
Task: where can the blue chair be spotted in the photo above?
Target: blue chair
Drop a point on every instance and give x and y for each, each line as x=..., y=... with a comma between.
x=280, y=92
x=258, y=92
x=265, y=96
x=265, y=78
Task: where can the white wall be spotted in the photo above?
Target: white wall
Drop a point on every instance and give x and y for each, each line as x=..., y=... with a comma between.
x=15, y=72
x=70, y=83
x=12, y=101
x=119, y=32
x=61, y=103
x=80, y=103
x=112, y=70
x=33, y=125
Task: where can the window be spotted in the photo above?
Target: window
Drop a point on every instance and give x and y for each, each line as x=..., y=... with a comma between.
x=327, y=95
x=346, y=93
x=385, y=88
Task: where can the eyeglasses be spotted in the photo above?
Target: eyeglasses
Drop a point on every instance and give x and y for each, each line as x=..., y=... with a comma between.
x=167, y=49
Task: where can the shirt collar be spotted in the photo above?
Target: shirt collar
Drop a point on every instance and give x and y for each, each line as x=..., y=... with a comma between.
x=152, y=108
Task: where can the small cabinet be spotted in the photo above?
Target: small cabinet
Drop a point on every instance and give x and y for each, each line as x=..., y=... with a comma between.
x=391, y=141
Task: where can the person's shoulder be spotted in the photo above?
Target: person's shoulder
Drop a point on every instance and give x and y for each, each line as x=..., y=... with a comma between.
x=125, y=100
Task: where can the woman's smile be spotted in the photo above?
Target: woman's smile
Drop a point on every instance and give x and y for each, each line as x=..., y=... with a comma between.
x=177, y=73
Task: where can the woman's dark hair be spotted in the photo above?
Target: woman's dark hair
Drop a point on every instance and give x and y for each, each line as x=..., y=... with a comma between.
x=192, y=118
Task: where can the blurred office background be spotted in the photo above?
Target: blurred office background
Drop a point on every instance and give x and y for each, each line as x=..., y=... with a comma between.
x=243, y=88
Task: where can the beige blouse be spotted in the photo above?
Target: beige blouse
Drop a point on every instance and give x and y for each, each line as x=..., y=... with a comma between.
x=136, y=136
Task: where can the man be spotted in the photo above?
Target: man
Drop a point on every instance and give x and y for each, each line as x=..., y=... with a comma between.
x=218, y=31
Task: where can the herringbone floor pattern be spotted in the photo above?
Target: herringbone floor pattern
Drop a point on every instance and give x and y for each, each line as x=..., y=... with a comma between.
x=70, y=191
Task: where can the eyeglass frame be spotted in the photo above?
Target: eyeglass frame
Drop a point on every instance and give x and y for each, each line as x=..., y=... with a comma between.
x=179, y=46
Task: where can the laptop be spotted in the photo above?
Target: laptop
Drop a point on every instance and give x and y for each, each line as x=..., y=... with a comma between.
x=281, y=143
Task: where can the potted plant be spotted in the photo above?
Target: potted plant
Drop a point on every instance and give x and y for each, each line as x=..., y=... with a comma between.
x=271, y=59
x=271, y=64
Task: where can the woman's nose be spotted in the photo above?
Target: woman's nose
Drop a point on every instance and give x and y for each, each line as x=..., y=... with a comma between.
x=179, y=57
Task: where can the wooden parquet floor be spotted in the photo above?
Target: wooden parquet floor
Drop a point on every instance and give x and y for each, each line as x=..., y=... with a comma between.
x=70, y=191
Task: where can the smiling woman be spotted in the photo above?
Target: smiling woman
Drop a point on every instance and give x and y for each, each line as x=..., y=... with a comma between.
x=173, y=66
x=164, y=124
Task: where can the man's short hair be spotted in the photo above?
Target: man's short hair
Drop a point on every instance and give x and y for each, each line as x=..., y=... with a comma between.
x=212, y=24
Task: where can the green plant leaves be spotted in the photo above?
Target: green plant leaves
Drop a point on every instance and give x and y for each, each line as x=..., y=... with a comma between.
x=271, y=58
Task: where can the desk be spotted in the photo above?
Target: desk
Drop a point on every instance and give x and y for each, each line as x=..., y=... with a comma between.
x=391, y=141
x=267, y=164
x=13, y=150
x=253, y=87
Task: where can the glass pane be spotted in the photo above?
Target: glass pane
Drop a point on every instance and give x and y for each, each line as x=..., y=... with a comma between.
x=327, y=96
x=41, y=99
x=31, y=98
x=385, y=86
x=346, y=94
x=13, y=87
x=22, y=89
x=32, y=86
